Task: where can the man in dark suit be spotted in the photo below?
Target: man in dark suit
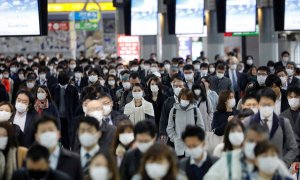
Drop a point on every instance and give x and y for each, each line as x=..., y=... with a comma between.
x=219, y=82
x=290, y=69
x=47, y=134
x=199, y=162
x=110, y=115
x=79, y=81
x=66, y=98
x=285, y=57
x=37, y=166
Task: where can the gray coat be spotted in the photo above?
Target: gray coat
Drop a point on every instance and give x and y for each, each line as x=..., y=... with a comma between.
x=287, y=146
x=182, y=119
x=219, y=85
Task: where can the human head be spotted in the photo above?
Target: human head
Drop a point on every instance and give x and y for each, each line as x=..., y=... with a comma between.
x=274, y=82
x=134, y=78
x=234, y=135
x=94, y=109
x=224, y=98
x=6, y=111
x=24, y=101
x=262, y=73
x=290, y=68
x=124, y=134
x=63, y=78
x=266, y=100
x=145, y=134
x=282, y=74
x=88, y=132
x=293, y=97
x=43, y=93
x=285, y=56
x=7, y=136
x=107, y=103
x=137, y=91
x=186, y=95
x=250, y=102
x=158, y=162
x=220, y=70
x=188, y=71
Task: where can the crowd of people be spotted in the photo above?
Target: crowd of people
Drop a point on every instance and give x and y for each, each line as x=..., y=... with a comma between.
x=179, y=119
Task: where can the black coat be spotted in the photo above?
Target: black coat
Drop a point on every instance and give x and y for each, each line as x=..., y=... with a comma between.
x=164, y=117
x=114, y=117
x=53, y=111
x=83, y=83
x=3, y=94
x=71, y=102
x=157, y=106
x=69, y=163
x=22, y=174
x=220, y=121
x=130, y=164
x=284, y=101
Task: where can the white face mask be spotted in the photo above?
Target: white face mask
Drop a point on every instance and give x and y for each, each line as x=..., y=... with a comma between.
x=197, y=67
x=93, y=78
x=233, y=66
x=137, y=95
x=249, y=150
x=72, y=66
x=236, y=138
x=157, y=170
x=255, y=110
x=134, y=69
x=146, y=67
x=30, y=85
x=112, y=82
x=188, y=77
x=231, y=103
x=204, y=72
x=167, y=67
x=102, y=82
x=266, y=111
x=4, y=116
x=105, y=71
x=98, y=115
x=184, y=103
x=143, y=147
x=20, y=107
x=88, y=139
x=197, y=92
x=285, y=59
x=42, y=77
x=78, y=75
x=106, y=110
x=220, y=75
x=283, y=80
x=41, y=96
x=154, y=88
x=3, y=142
x=261, y=80
x=249, y=62
x=99, y=173
x=177, y=91
x=126, y=138
x=48, y=139
x=294, y=102
x=126, y=85
x=268, y=165
x=212, y=70
x=195, y=152
x=154, y=69
x=290, y=72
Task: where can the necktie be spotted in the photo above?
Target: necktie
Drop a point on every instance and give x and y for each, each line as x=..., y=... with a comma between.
x=107, y=120
x=265, y=124
x=234, y=80
x=87, y=156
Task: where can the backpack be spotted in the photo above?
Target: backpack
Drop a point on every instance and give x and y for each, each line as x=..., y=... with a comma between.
x=174, y=116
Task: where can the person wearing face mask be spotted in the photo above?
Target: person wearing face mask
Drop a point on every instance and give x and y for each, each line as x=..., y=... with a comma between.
x=262, y=74
x=178, y=85
x=66, y=97
x=282, y=74
x=167, y=79
x=249, y=63
x=285, y=58
x=267, y=162
x=42, y=79
x=280, y=130
x=24, y=117
x=212, y=69
x=79, y=81
x=103, y=167
x=159, y=163
x=243, y=160
x=89, y=134
x=281, y=103
x=95, y=81
x=4, y=96
x=122, y=93
x=20, y=79
x=72, y=66
x=198, y=161
x=183, y=113
x=146, y=70
x=110, y=115
x=11, y=155
x=211, y=95
x=204, y=104
x=138, y=109
x=145, y=136
x=156, y=97
x=291, y=72
x=123, y=140
x=219, y=82
x=250, y=102
x=233, y=138
x=189, y=75
x=44, y=103
x=112, y=84
x=225, y=112
x=293, y=112
x=47, y=134
x=37, y=167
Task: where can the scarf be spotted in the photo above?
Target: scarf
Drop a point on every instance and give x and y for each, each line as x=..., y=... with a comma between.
x=40, y=105
x=6, y=84
x=11, y=163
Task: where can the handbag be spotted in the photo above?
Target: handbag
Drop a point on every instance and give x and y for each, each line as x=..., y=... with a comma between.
x=212, y=140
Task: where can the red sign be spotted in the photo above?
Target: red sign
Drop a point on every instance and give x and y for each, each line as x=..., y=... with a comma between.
x=58, y=26
x=128, y=47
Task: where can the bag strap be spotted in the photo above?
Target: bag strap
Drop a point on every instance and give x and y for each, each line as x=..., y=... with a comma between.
x=174, y=117
x=229, y=162
x=195, y=115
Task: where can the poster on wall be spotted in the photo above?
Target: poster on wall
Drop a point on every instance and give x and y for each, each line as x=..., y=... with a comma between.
x=128, y=48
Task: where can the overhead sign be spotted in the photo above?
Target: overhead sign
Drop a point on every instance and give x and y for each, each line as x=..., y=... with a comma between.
x=87, y=26
x=128, y=47
x=58, y=26
x=71, y=7
x=84, y=16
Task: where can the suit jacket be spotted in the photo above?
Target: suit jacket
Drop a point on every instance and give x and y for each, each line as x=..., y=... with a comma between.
x=69, y=163
x=286, y=143
x=130, y=164
x=83, y=83
x=279, y=65
x=114, y=115
x=52, y=110
x=294, y=82
x=284, y=101
x=166, y=108
x=22, y=174
x=219, y=85
x=242, y=80
x=288, y=115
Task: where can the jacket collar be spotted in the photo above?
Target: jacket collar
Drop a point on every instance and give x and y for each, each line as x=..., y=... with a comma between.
x=257, y=119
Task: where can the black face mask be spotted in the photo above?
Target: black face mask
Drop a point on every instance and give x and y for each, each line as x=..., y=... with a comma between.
x=37, y=174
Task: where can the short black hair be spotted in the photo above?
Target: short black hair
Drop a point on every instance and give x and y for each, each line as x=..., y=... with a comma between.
x=146, y=126
x=78, y=69
x=273, y=79
x=263, y=68
x=221, y=66
x=263, y=147
x=294, y=89
x=90, y=121
x=204, y=65
x=44, y=119
x=266, y=92
x=281, y=70
x=134, y=75
x=38, y=152
x=188, y=67
x=247, y=97
x=285, y=52
x=94, y=70
x=193, y=131
x=259, y=129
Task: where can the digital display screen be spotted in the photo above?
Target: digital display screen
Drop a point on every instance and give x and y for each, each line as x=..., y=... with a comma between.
x=144, y=17
x=189, y=16
x=19, y=17
x=292, y=15
x=240, y=15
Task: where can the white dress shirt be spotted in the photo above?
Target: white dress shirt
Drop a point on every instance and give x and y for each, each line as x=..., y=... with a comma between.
x=54, y=157
x=277, y=109
x=269, y=122
x=193, y=162
x=20, y=120
x=92, y=153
